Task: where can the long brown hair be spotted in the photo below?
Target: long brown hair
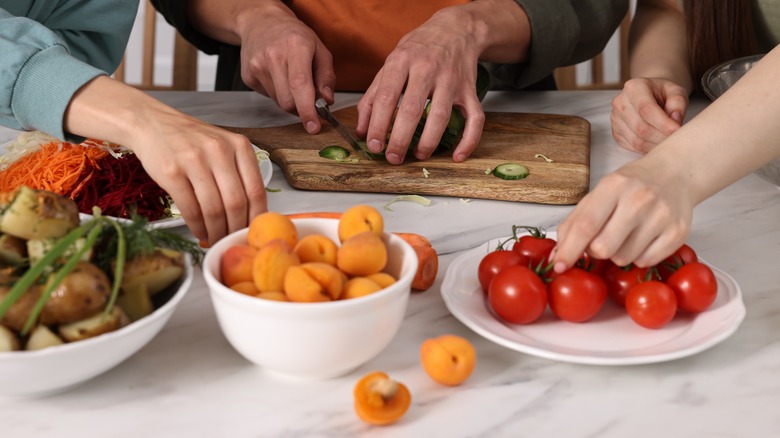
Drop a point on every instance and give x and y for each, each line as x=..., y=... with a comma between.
x=718, y=30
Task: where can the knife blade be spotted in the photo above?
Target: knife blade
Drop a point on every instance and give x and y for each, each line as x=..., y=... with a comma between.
x=324, y=112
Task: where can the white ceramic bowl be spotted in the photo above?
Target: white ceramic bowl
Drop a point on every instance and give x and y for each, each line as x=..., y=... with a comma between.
x=56, y=369
x=312, y=340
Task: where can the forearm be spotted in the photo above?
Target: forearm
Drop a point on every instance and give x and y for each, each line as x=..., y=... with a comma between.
x=227, y=20
x=501, y=28
x=110, y=110
x=732, y=137
x=657, y=43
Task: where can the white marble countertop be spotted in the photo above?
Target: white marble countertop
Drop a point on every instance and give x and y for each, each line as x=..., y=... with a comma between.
x=189, y=381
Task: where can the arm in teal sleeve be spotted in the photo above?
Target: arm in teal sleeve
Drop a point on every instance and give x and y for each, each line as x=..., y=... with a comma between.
x=563, y=32
x=50, y=55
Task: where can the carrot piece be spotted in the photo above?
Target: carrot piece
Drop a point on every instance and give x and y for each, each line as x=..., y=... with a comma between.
x=414, y=239
x=428, y=260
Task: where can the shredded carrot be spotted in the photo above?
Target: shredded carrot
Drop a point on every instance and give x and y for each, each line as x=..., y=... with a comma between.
x=58, y=167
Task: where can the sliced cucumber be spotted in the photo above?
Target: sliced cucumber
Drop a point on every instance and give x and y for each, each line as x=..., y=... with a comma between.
x=510, y=171
x=334, y=153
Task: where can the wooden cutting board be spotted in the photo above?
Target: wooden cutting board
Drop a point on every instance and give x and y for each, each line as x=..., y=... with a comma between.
x=507, y=137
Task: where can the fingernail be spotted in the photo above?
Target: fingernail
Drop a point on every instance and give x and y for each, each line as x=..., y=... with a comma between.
x=393, y=158
x=327, y=91
x=677, y=117
x=460, y=157
x=311, y=127
x=559, y=267
x=375, y=146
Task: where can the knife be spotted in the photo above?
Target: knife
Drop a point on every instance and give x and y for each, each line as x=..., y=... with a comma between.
x=322, y=109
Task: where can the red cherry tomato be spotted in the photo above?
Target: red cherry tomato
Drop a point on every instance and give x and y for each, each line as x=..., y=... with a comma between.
x=577, y=295
x=684, y=255
x=651, y=304
x=594, y=265
x=517, y=295
x=695, y=286
x=536, y=247
x=620, y=280
x=494, y=262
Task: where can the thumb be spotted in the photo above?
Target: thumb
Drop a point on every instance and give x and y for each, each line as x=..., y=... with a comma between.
x=676, y=105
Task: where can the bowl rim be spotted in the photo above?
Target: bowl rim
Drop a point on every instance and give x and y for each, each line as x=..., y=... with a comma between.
x=708, y=75
x=216, y=287
x=184, y=287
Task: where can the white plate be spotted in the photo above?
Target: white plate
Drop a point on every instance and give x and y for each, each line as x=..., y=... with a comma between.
x=611, y=338
x=266, y=169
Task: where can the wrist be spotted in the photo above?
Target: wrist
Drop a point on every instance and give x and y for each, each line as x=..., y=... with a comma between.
x=247, y=18
x=501, y=30
x=110, y=110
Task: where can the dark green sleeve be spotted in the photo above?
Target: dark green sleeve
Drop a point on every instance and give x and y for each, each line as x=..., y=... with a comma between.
x=563, y=32
x=175, y=13
x=229, y=61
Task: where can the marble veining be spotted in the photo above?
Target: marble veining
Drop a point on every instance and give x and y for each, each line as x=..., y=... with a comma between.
x=190, y=382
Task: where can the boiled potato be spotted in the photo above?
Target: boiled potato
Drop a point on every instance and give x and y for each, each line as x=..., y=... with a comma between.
x=8, y=339
x=13, y=250
x=135, y=302
x=17, y=314
x=81, y=294
x=95, y=325
x=38, y=248
x=156, y=271
x=39, y=214
x=41, y=337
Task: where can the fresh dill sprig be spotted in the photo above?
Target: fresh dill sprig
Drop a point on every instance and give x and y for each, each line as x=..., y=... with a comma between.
x=142, y=240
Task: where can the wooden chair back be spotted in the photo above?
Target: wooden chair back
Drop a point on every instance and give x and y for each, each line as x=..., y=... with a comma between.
x=566, y=77
x=185, y=59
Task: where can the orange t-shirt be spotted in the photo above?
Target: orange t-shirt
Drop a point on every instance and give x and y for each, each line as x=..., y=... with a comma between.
x=361, y=33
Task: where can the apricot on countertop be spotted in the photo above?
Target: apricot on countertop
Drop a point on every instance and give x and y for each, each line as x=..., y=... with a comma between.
x=380, y=400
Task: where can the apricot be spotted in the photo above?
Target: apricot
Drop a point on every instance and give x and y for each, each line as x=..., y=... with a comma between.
x=246, y=288
x=270, y=226
x=313, y=282
x=448, y=359
x=362, y=254
x=273, y=295
x=358, y=219
x=271, y=264
x=316, y=248
x=236, y=264
x=383, y=279
x=380, y=400
x=360, y=287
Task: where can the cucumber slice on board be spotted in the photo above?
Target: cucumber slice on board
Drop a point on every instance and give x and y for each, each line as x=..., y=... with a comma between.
x=510, y=171
x=334, y=153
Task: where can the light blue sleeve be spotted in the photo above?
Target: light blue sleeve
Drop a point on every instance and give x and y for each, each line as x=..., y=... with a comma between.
x=47, y=57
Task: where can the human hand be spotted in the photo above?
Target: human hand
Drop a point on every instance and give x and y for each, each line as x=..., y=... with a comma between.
x=436, y=60
x=211, y=174
x=283, y=59
x=638, y=214
x=646, y=112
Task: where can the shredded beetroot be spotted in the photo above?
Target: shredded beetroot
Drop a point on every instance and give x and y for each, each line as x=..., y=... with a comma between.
x=120, y=187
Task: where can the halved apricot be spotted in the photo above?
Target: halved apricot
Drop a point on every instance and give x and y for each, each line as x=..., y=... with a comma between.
x=381, y=400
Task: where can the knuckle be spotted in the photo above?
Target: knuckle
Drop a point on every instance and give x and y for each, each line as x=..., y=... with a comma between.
x=645, y=109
